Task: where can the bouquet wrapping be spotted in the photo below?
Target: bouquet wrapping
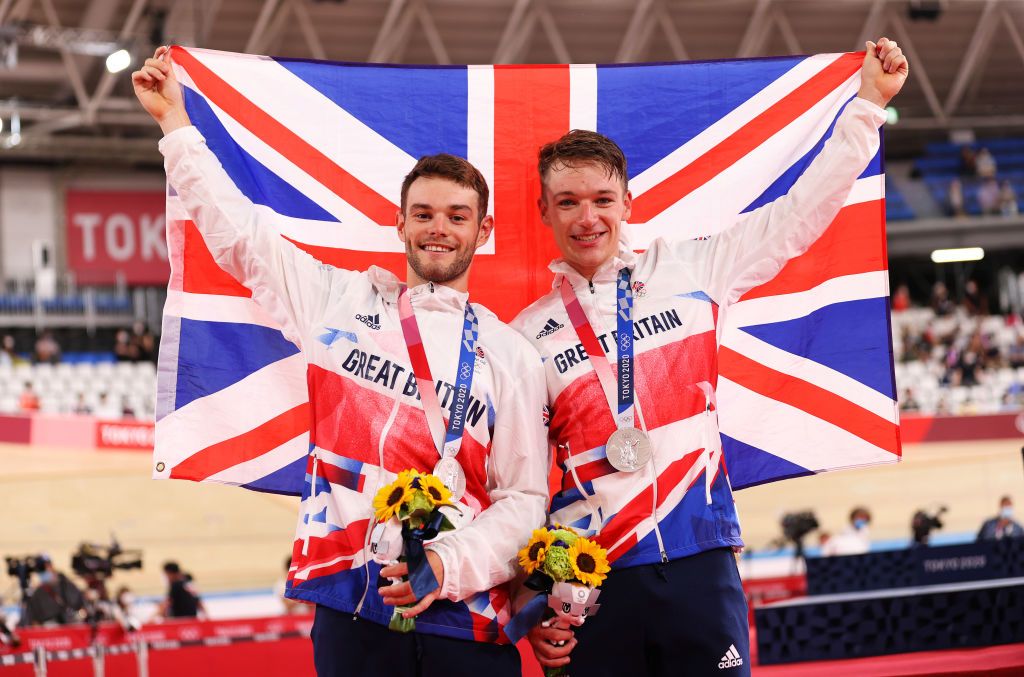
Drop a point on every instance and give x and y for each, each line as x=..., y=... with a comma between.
x=408, y=513
x=565, y=569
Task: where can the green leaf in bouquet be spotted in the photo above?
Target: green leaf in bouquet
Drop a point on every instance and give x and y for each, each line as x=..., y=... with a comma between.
x=565, y=536
x=557, y=564
x=420, y=503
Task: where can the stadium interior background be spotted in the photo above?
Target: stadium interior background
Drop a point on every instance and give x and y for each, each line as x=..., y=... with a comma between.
x=83, y=266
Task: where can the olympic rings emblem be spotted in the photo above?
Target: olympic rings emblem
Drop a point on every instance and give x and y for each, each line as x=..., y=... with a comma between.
x=464, y=370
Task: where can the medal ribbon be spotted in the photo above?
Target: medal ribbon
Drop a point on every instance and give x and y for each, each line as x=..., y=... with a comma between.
x=622, y=404
x=452, y=442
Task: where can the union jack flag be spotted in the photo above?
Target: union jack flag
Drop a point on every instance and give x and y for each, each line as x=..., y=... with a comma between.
x=325, y=146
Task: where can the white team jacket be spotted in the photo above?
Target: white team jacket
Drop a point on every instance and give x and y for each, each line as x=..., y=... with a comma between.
x=367, y=423
x=681, y=503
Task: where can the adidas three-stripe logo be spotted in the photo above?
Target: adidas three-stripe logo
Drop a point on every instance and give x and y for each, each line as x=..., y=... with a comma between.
x=731, y=659
x=550, y=328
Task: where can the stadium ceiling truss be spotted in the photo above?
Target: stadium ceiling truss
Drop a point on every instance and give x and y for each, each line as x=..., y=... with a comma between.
x=967, y=55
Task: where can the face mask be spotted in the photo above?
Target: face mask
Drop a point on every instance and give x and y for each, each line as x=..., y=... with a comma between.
x=1006, y=512
x=859, y=524
x=46, y=577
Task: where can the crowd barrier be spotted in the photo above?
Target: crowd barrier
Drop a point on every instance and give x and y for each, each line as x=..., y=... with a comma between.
x=917, y=599
x=74, y=431
x=261, y=646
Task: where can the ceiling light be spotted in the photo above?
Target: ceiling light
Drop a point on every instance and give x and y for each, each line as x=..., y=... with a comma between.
x=961, y=254
x=118, y=61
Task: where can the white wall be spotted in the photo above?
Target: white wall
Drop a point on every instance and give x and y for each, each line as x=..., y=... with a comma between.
x=28, y=211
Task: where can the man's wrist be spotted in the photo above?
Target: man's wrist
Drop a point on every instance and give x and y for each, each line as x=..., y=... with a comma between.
x=175, y=119
x=873, y=95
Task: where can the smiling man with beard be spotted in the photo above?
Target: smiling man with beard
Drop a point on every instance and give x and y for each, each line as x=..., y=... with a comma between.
x=368, y=340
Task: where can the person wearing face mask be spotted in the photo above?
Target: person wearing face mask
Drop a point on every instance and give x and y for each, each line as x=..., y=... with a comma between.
x=854, y=539
x=55, y=600
x=1002, y=525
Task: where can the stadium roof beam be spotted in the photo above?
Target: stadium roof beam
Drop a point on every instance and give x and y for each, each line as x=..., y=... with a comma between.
x=977, y=47
x=1011, y=28
x=903, y=37
x=394, y=32
x=792, y=44
x=638, y=33
x=316, y=47
x=258, y=36
x=873, y=23
x=519, y=29
x=757, y=31
x=107, y=80
x=551, y=30
x=74, y=76
x=648, y=15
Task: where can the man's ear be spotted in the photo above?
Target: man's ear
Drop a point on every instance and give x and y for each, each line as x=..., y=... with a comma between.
x=400, y=224
x=627, y=203
x=484, y=232
x=542, y=205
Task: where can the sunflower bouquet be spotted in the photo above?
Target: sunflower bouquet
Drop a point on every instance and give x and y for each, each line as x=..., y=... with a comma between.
x=565, y=569
x=408, y=512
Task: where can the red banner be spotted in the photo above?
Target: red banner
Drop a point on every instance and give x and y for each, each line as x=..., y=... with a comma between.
x=124, y=435
x=117, y=231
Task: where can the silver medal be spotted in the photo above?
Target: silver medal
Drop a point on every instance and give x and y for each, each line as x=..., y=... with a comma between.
x=452, y=476
x=628, y=449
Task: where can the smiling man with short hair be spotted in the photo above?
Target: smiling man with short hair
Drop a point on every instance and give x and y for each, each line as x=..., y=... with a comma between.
x=638, y=440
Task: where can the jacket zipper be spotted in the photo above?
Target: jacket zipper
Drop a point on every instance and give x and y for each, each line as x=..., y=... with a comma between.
x=369, y=531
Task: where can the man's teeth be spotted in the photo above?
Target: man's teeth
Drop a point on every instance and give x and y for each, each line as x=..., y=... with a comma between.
x=588, y=238
x=436, y=248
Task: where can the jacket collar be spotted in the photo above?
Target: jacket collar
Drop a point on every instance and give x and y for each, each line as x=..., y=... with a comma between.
x=427, y=296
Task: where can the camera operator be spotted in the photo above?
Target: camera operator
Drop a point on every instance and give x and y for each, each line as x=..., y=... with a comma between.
x=922, y=525
x=182, y=600
x=55, y=601
x=854, y=539
x=1002, y=525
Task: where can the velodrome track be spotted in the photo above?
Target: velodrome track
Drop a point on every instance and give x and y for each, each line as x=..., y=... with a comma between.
x=51, y=499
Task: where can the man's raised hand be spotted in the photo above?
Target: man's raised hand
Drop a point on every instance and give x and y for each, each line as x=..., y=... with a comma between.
x=159, y=93
x=884, y=71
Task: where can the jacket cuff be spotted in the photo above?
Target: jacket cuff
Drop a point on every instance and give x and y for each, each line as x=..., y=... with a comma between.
x=869, y=111
x=179, y=139
x=449, y=562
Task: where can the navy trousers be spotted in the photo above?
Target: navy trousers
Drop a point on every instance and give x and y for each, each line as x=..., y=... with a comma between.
x=685, y=617
x=344, y=646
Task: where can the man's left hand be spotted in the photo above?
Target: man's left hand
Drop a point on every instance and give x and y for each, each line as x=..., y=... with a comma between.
x=884, y=71
x=400, y=594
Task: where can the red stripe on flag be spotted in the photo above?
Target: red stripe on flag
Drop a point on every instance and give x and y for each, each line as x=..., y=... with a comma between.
x=853, y=244
x=531, y=108
x=809, y=398
x=201, y=273
x=244, y=447
x=351, y=259
x=745, y=139
x=289, y=144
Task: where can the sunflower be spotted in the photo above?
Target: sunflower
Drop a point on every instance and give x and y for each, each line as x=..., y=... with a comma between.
x=390, y=498
x=532, y=556
x=589, y=562
x=435, y=490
